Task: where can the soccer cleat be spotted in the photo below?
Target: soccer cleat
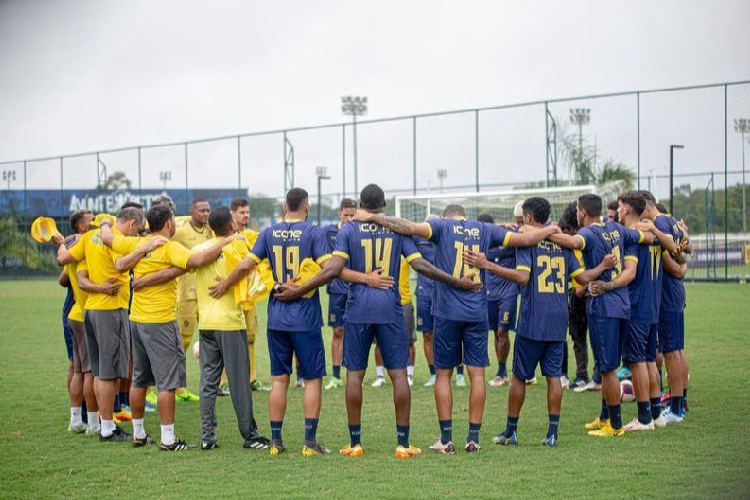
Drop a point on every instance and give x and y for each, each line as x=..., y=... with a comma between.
x=223, y=389
x=443, y=449
x=209, y=445
x=403, y=452
x=123, y=416
x=460, y=380
x=151, y=397
x=588, y=386
x=257, y=443
x=504, y=439
x=498, y=381
x=635, y=425
x=608, y=431
x=671, y=418
x=186, y=397
x=596, y=424
x=472, y=447
x=276, y=448
x=624, y=373
x=118, y=435
x=78, y=428
x=150, y=407
x=659, y=421
x=579, y=382
x=333, y=383
x=410, y=379
x=349, y=451
x=379, y=382
x=564, y=382
x=532, y=381
x=550, y=441
x=93, y=432
x=430, y=381
x=139, y=442
x=315, y=450
x=300, y=383
x=178, y=445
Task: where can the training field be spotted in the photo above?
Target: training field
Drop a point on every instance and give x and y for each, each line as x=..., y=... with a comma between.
x=707, y=456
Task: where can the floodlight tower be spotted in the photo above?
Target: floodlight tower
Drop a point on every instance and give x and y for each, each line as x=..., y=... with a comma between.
x=9, y=176
x=354, y=106
x=165, y=176
x=742, y=125
x=580, y=117
x=442, y=175
x=321, y=173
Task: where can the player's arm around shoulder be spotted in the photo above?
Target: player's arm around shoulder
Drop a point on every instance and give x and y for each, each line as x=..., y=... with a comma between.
x=395, y=224
x=530, y=236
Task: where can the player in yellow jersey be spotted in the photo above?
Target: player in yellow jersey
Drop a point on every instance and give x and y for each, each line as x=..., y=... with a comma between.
x=190, y=233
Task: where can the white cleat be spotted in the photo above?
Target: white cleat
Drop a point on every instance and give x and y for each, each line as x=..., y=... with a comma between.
x=590, y=386
x=636, y=425
x=498, y=381
x=671, y=418
x=78, y=428
x=460, y=381
x=532, y=381
x=379, y=382
x=430, y=381
x=659, y=421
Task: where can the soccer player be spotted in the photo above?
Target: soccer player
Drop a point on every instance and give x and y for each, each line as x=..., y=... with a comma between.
x=337, y=291
x=502, y=297
x=158, y=356
x=613, y=213
x=461, y=329
x=105, y=319
x=425, y=291
x=189, y=234
x=543, y=271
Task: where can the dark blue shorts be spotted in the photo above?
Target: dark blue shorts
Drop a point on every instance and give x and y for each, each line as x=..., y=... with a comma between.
x=671, y=331
x=528, y=353
x=640, y=343
x=67, y=333
x=457, y=340
x=501, y=314
x=607, y=335
x=425, y=319
x=336, y=309
x=308, y=346
x=393, y=344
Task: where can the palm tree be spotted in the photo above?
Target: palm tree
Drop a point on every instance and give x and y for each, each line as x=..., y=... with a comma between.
x=581, y=159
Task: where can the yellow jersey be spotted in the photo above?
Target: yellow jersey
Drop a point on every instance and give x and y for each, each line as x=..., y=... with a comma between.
x=76, y=312
x=154, y=304
x=100, y=261
x=223, y=314
x=189, y=237
x=251, y=237
x=404, y=287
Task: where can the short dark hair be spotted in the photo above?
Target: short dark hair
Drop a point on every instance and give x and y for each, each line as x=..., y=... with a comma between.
x=238, y=203
x=220, y=220
x=635, y=200
x=612, y=205
x=158, y=215
x=131, y=213
x=372, y=197
x=294, y=198
x=454, y=209
x=661, y=208
x=569, y=219
x=486, y=218
x=75, y=218
x=591, y=203
x=196, y=201
x=131, y=204
x=347, y=203
x=648, y=195
x=539, y=209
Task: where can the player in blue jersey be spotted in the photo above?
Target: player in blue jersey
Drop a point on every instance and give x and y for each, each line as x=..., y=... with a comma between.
x=424, y=292
x=460, y=316
x=607, y=313
x=502, y=298
x=337, y=290
x=543, y=271
x=294, y=322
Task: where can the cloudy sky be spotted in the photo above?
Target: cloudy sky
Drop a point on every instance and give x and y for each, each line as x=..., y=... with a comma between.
x=87, y=75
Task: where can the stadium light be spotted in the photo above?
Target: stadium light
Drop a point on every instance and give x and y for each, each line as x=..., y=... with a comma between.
x=321, y=173
x=742, y=125
x=442, y=175
x=8, y=176
x=164, y=176
x=671, y=175
x=354, y=106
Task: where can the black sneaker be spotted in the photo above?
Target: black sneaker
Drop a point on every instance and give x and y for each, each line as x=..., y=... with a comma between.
x=138, y=442
x=209, y=445
x=178, y=445
x=579, y=382
x=118, y=435
x=257, y=443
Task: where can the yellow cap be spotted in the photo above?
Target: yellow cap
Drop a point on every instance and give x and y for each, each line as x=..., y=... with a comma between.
x=100, y=217
x=307, y=270
x=42, y=229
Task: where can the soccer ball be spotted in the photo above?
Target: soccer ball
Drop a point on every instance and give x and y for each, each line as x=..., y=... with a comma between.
x=196, y=349
x=627, y=391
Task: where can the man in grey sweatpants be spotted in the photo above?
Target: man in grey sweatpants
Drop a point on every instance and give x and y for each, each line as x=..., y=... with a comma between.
x=223, y=344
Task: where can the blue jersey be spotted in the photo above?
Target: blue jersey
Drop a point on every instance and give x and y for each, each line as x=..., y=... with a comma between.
x=645, y=289
x=497, y=287
x=544, y=299
x=335, y=285
x=286, y=245
x=425, y=286
x=600, y=239
x=451, y=237
x=367, y=246
x=672, y=290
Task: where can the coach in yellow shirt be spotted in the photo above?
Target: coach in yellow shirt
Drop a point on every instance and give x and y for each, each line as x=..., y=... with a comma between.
x=158, y=357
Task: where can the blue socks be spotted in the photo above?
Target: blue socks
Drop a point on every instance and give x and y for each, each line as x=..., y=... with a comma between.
x=511, y=426
x=615, y=417
x=676, y=404
x=402, y=435
x=124, y=398
x=655, y=408
x=311, y=430
x=276, y=429
x=355, y=433
x=446, y=431
x=337, y=371
x=644, y=412
x=432, y=369
x=604, y=413
x=554, y=423
x=502, y=370
x=460, y=370
x=473, y=432
x=684, y=400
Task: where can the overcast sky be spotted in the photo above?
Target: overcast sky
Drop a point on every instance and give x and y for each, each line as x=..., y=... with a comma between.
x=87, y=75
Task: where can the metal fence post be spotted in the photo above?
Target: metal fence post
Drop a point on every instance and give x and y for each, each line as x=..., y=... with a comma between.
x=140, y=181
x=638, y=133
x=414, y=154
x=186, y=175
x=239, y=167
x=476, y=147
x=726, y=192
x=343, y=160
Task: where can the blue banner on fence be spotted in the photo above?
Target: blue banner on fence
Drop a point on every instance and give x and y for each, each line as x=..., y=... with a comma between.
x=56, y=203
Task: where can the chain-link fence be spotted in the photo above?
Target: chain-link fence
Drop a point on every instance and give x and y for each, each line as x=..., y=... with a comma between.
x=625, y=136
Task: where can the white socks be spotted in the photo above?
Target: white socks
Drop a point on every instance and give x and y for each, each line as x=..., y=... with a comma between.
x=167, y=434
x=410, y=371
x=138, y=431
x=108, y=427
x=93, y=418
x=380, y=371
x=75, y=416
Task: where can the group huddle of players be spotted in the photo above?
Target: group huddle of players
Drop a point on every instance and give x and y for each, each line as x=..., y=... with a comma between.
x=131, y=285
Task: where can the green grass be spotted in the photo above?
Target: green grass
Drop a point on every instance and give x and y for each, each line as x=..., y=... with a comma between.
x=705, y=456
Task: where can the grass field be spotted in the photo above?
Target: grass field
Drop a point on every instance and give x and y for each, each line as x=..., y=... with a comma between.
x=707, y=456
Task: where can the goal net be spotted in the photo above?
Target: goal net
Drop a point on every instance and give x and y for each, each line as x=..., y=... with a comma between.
x=499, y=204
